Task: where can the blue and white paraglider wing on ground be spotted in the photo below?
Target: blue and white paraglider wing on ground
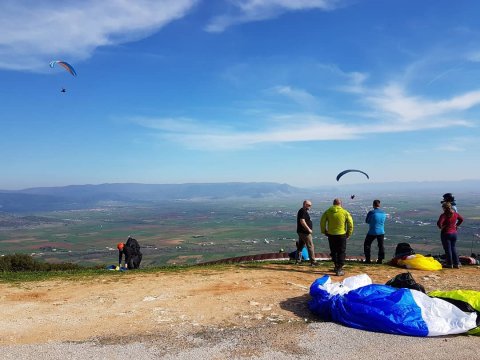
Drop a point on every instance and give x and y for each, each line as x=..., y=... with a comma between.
x=358, y=303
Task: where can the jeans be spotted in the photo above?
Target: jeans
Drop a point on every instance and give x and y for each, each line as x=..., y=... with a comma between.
x=448, y=242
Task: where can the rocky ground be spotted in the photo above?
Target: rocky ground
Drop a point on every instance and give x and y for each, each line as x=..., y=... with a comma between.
x=262, y=306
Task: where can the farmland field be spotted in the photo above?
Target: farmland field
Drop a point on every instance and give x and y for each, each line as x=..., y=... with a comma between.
x=189, y=232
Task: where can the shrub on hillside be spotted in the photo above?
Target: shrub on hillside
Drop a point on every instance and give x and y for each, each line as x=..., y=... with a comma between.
x=23, y=262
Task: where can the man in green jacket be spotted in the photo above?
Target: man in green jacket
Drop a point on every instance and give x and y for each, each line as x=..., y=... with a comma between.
x=337, y=224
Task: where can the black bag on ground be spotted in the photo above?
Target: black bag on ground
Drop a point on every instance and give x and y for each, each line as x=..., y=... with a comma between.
x=403, y=249
x=405, y=281
x=132, y=248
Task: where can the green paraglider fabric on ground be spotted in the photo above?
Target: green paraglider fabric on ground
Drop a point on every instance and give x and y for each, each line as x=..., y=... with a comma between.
x=470, y=297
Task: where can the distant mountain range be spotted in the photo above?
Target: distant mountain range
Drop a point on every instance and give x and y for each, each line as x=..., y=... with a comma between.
x=87, y=196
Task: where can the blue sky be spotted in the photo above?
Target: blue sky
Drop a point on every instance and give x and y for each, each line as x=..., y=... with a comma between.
x=289, y=91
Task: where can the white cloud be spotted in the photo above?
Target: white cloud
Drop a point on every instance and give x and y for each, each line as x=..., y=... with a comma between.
x=33, y=33
x=355, y=82
x=357, y=110
x=180, y=124
x=256, y=10
x=283, y=129
x=299, y=96
x=393, y=101
x=390, y=110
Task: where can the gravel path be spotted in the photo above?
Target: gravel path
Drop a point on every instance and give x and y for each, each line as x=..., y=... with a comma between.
x=281, y=341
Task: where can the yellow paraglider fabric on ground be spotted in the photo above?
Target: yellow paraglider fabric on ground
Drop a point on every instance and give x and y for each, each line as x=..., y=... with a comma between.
x=471, y=297
x=419, y=262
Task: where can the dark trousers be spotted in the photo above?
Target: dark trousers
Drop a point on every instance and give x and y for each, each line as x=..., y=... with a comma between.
x=367, y=246
x=305, y=240
x=449, y=241
x=338, y=248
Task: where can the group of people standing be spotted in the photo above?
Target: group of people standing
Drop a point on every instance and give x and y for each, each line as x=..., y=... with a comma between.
x=337, y=224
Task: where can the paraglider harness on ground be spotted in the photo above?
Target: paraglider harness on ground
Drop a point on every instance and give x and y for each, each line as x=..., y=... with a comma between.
x=403, y=249
x=405, y=280
x=136, y=254
x=133, y=243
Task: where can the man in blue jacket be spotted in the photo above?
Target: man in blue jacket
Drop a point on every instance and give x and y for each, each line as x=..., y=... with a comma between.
x=376, y=221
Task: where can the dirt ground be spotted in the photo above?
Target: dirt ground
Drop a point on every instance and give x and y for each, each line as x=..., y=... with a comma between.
x=134, y=305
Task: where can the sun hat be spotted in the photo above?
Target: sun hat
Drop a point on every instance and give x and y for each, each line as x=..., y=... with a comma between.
x=448, y=197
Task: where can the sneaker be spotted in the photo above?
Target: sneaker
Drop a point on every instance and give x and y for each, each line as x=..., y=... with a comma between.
x=457, y=266
x=379, y=261
x=368, y=262
x=314, y=264
x=340, y=272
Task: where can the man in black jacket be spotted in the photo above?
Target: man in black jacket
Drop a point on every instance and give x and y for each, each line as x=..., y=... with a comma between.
x=304, y=231
x=132, y=253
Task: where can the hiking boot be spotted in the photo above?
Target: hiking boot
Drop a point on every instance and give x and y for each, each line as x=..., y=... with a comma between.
x=314, y=264
x=368, y=261
x=340, y=272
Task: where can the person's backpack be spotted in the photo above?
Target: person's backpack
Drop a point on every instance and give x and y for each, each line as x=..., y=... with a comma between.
x=403, y=249
x=405, y=281
x=133, y=243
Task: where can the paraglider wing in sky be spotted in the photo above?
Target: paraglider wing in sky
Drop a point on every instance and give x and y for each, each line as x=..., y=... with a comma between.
x=65, y=65
x=351, y=170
